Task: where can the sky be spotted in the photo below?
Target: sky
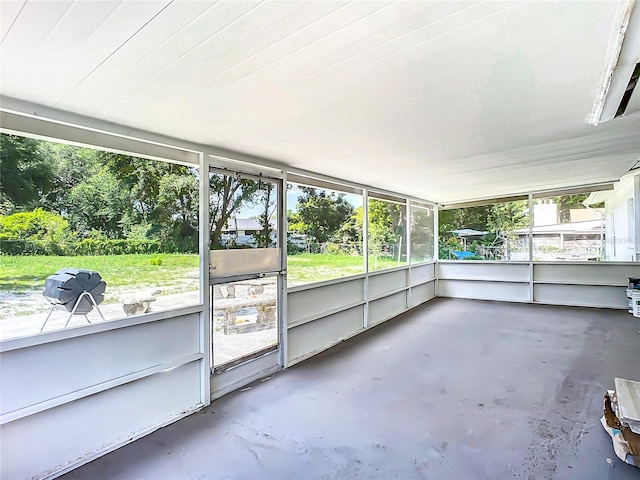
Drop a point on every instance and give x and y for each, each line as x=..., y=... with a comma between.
x=292, y=200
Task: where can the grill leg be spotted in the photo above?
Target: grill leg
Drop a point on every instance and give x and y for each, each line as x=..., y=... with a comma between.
x=75, y=307
x=68, y=319
x=47, y=319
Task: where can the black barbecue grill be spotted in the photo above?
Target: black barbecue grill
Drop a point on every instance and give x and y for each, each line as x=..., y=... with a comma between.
x=75, y=291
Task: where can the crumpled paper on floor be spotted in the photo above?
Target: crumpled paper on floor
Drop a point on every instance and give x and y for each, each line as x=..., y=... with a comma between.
x=626, y=444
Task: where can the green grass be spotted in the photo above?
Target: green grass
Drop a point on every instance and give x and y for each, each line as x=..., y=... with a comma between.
x=315, y=267
x=21, y=274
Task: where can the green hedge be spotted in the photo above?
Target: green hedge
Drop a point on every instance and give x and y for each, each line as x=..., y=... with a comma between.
x=90, y=247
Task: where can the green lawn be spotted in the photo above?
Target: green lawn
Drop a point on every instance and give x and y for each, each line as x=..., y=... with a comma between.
x=315, y=267
x=21, y=274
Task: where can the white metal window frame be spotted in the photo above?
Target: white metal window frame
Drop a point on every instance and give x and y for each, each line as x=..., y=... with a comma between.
x=530, y=197
x=329, y=183
x=187, y=363
x=62, y=127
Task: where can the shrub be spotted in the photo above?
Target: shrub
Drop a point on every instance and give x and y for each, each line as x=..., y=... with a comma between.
x=34, y=247
x=35, y=225
x=90, y=246
x=331, y=249
x=155, y=261
x=143, y=231
x=45, y=233
x=116, y=247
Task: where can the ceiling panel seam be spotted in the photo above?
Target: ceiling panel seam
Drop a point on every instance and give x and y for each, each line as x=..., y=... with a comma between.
x=302, y=5
x=584, y=141
x=394, y=39
x=355, y=55
x=181, y=30
x=213, y=35
x=278, y=42
x=20, y=18
x=561, y=157
x=112, y=53
x=55, y=26
x=448, y=32
x=260, y=51
x=14, y=21
x=63, y=63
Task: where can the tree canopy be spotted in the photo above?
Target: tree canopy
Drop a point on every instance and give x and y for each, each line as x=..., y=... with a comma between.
x=497, y=219
x=320, y=214
x=100, y=194
x=386, y=223
x=25, y=173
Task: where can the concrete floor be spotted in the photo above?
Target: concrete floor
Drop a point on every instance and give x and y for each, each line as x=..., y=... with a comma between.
x=454, y=389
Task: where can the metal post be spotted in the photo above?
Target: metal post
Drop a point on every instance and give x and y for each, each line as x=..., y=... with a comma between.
x=365, y=248
x=282, y=320
x=530, y=235
x=206, y=314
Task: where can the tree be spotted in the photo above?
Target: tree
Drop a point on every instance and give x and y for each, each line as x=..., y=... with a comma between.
x=228, y=193
x=322, y=213
x=422, y=233
x=471, y=217
x=177, y=206
x=269, y=203
x=142, y=180
x=162, y=197
x=70, y=166
x=499, y=220
x=507, y=217
x=98, y=204
x=386, y=221
x=566, y=203
x=25, y=175
x=496, y=218
x=351, y=230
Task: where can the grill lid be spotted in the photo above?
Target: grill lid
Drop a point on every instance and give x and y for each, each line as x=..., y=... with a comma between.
x=66, y=286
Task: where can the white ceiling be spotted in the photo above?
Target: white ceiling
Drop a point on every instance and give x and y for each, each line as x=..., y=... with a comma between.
x=446, y=101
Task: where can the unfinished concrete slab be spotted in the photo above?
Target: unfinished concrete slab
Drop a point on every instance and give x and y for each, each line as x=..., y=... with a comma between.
x=452, y=389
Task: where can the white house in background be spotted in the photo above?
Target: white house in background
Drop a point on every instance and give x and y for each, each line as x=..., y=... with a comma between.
x=242, y=231
x=622, y=218
x=582, y=238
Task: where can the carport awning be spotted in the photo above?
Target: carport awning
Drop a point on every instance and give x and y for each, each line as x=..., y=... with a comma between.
x=468, y=232
x=595, y=198
x=588, y=227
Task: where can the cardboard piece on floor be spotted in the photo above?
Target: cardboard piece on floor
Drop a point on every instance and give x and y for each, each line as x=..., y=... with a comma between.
x=626, y=444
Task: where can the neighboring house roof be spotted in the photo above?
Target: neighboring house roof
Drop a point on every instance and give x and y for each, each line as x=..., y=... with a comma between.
x=588, y=227
x=586, y=214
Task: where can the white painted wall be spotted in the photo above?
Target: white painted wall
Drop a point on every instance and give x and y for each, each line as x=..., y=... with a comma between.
x=322, y=315
x=586, y=284
x=622, y=227
x=70, y=396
